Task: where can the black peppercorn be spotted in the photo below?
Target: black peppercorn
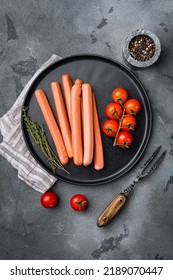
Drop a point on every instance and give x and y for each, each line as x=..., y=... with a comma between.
x=142, y=48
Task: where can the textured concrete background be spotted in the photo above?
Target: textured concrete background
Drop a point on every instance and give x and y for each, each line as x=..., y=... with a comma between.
x=30, y=32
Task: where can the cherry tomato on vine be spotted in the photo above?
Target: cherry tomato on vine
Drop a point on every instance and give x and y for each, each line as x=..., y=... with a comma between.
x=49, y=199
x=132, y=106
x=119, y=95
x=110, y=128
x=114, y=111
x=124, y=139
x=78, y=202
x=128, y=123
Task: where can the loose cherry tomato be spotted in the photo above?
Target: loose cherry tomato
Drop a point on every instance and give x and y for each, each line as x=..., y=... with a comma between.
x=110, y=128
x=132, y=106
x=114, y=111
x=124, y=139
x=78, y=202
x=49, y=199
x=128, y=123
x=119, y=95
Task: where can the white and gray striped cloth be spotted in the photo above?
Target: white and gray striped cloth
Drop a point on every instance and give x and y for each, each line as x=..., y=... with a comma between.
x=13, y=147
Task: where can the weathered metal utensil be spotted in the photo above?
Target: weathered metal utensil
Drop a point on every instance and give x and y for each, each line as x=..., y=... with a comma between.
x=119, y=200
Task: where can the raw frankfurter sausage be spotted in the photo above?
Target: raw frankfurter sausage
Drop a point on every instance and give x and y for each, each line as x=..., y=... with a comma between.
x=52, y=125
x=98, y=146
x=88, y=129
x=76, y=125
x=67, y=85
x=62, y=117
x=78, y=82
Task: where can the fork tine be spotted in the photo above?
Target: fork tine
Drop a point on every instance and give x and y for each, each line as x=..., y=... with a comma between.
x=150, y=159
x=156, y=163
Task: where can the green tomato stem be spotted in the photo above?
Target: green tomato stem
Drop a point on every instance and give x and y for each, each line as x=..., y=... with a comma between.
x=119, y=127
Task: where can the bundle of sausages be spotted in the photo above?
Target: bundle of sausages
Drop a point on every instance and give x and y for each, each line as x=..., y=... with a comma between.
x=79, y=135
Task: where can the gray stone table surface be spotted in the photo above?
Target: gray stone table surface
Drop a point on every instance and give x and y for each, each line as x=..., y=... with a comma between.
x=30, y=32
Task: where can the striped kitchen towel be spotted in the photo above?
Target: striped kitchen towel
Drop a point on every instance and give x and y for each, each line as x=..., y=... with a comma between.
x=13, y=146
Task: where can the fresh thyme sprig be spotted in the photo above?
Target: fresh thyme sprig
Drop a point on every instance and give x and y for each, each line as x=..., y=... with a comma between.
x=38, y=134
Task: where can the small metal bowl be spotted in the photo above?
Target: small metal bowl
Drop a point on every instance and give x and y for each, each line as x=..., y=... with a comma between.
x=134, y=62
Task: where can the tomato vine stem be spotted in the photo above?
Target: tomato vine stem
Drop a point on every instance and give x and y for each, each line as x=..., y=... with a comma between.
x=119, y=127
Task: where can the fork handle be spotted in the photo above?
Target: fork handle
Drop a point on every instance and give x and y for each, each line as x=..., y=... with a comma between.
x=111, y=210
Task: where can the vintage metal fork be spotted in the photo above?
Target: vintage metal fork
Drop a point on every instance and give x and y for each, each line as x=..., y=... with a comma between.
x=119, y=200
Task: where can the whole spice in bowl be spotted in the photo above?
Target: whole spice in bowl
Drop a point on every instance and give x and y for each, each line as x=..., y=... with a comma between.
x=141, y=48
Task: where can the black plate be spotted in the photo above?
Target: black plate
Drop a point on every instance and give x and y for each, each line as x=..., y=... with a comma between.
x=104, y=75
